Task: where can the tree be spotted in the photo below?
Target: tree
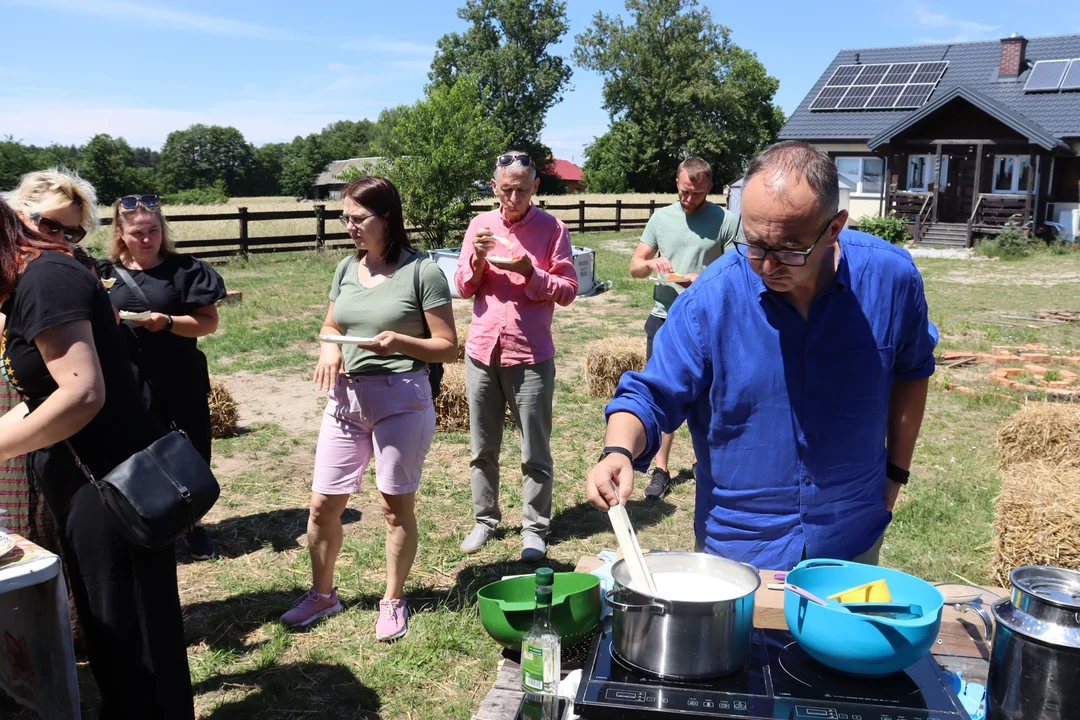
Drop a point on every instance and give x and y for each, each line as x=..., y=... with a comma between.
x=447, y=148
x=268, y=163
x=303, y=160
x=506, y=50
x=202, y=154
x=382, y=133
x=346, y=139
x=679, y=86
x=16, y=160
x=108, y=164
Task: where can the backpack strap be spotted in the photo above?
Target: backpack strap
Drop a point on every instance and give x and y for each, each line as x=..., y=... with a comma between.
x=419, y=297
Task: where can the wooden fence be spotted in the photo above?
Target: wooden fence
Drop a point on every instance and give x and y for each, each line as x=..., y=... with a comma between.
x=245, y=243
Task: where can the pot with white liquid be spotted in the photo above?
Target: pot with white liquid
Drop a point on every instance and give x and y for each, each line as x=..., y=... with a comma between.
x=697, y=625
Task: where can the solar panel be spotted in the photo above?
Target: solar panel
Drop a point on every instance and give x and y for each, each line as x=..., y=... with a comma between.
x=844, y=75
x=899, y=73
x=884, y=97
x=914, y=96
x=871, y=74
x=1072, y=76
x=856, y=97
x=828, y=98
x=1046, y=75
x=928, y=72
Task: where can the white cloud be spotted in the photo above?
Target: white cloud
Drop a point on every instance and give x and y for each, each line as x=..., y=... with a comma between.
x=379, y=43
x=142, y=13
x=957, y=30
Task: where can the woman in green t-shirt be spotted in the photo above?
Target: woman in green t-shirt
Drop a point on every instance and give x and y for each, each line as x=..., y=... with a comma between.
x=379, y=396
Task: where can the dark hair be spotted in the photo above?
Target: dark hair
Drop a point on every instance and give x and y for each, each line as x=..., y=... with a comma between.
x=695, y=167
x=381, y=197
x=798, y=160
x=18, y=246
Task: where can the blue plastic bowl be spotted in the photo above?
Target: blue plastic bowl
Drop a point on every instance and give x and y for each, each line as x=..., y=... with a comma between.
x=858, y=644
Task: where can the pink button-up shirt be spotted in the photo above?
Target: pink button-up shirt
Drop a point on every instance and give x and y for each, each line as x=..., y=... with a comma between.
x=509, y=312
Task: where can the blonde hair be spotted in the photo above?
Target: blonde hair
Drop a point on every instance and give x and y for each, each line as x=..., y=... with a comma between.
x=115, y=248
x=54, y=189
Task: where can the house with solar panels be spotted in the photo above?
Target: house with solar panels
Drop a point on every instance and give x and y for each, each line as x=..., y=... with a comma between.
x=960, y=139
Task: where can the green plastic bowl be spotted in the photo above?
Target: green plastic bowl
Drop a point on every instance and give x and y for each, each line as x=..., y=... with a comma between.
x=507, y=606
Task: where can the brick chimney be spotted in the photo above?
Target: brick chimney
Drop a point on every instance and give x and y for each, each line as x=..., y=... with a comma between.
x=1012, y=56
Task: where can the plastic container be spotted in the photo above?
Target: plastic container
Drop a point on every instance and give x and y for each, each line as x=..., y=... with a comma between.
x=875, y=592
x=506, y=607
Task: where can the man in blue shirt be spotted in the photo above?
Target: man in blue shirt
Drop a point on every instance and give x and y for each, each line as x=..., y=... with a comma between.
x=800, y=364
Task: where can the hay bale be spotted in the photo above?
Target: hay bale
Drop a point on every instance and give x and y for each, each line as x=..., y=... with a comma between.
x=1037, y=519
x=452, y=405
x=1041, y=431
x=223, y=411
x=462, y=338
x=606, y=360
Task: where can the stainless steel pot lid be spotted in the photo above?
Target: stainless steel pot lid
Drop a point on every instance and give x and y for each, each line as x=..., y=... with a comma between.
x=1056, y=586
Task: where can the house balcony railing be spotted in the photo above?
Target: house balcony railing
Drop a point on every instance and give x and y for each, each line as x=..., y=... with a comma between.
x=993, y=211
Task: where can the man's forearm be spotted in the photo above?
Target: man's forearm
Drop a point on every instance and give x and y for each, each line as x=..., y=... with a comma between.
x=625, y=430
x=907, y=402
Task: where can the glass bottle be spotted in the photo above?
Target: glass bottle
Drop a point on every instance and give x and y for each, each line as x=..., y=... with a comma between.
x=540, y=648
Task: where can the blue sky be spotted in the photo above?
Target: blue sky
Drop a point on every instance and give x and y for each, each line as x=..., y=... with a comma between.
x=72, y=68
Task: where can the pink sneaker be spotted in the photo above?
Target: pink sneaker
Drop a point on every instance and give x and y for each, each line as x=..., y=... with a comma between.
x=393, y=620
x=310, y=607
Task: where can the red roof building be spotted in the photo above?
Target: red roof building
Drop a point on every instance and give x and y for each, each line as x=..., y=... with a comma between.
x=569, y=173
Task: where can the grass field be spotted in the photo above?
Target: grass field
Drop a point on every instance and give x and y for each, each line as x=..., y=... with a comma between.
x=245, y=665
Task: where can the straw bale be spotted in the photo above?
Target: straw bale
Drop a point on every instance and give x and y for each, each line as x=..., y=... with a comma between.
x=1041, y=431
x=223, y=411
x=1037, y=519
x=452, y=405
x=606, y=360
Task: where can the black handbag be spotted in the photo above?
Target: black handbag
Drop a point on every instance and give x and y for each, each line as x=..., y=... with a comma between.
x=157, y=494
x=435, y=370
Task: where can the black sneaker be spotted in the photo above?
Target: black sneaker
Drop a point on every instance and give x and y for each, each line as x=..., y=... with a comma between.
x=659, y=486
x=200, y=546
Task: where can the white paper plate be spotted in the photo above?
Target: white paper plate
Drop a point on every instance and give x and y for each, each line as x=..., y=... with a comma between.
x=499, y=259
x=668, y=278
x=6, y=544
x=346, y=339
x=128, y=315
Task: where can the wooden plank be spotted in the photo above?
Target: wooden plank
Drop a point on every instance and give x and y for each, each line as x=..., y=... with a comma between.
x=499, y=705
x=282, y=215
x=205, y=217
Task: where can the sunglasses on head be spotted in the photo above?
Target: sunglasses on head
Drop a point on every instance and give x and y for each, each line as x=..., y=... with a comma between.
x=50, y=227
x=509, y=159
x=130, y=202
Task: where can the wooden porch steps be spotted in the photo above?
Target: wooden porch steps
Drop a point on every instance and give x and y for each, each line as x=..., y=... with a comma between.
x=945, y=235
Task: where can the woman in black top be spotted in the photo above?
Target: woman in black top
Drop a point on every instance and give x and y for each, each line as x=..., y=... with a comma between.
x=180, y=292
x=62, y=350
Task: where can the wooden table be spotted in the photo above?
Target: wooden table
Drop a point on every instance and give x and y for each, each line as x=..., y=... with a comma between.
x=960, y=645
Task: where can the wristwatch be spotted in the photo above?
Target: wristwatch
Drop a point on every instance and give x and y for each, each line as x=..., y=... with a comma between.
x=168, y=323
x=618, y=451
x=896, y=473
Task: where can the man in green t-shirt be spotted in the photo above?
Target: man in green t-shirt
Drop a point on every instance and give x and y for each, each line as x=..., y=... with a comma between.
x=681, y=238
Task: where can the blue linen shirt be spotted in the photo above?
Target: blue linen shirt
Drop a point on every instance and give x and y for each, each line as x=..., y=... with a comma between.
x=788, y=417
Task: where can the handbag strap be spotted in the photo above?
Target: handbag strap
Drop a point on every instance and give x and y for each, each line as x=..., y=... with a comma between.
x=79, y=463
x=419, y=298
x=130, y=282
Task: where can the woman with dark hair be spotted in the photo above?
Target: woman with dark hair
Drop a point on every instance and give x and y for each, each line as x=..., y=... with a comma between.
x=379, y=396
x=180, y=293
x=61, y=349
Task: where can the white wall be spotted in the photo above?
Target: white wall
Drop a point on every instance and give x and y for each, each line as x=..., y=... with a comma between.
x=863, y=205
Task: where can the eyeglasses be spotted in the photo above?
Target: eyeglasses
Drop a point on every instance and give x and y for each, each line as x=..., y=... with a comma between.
x=793, y=258
x=50, y=227
x=509, y=159
x=130, y=202
x=355, y=220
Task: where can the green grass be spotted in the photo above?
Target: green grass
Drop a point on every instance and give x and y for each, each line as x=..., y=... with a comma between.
x=245, y=665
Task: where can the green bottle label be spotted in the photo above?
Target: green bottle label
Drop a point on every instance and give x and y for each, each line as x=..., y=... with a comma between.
x=532, y=667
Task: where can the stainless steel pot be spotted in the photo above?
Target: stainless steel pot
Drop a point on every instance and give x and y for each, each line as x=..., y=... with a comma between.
x=678, y=639
x=1035, y=655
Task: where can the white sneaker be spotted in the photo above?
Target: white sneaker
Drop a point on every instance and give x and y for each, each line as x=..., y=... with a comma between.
x=476, y=539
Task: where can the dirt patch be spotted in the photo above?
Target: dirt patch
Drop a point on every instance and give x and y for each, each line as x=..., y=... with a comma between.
x=289, y=400
x=981, y=277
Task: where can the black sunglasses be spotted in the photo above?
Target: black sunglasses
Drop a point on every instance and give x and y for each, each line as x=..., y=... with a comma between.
x=130, y=202
x=793, y=258
x=50, y=227
x=509, y=159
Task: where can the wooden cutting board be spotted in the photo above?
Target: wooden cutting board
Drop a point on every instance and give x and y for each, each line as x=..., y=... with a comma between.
x=961, y=634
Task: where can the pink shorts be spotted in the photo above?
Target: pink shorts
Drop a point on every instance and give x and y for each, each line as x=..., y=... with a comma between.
x=390, y=416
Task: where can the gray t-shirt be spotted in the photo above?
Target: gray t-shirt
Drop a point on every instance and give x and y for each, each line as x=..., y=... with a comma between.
x=689, y=242
x=390, y=305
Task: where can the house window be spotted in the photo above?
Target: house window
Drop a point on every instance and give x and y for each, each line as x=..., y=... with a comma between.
x=1011, y=173
x=920, y=173
x=861, y=175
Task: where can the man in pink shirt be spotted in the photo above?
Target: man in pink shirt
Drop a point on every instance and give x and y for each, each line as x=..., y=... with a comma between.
x=517, y=263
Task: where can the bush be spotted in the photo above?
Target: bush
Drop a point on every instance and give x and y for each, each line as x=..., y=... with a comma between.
x=1011, y=243
x=890, y=228
x=215, y=195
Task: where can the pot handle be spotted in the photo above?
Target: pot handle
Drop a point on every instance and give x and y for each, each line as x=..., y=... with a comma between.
x=657, y=607
x=976, y=606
